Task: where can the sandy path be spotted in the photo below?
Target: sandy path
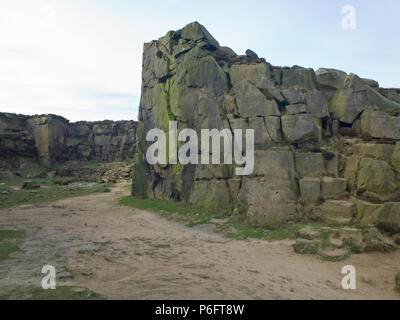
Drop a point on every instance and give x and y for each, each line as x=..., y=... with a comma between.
x=125, y=253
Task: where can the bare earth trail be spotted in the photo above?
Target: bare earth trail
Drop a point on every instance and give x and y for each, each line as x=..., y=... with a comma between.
x=123, y=253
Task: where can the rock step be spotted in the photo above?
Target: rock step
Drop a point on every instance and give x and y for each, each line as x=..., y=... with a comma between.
x=386, y=215
x=338, y=212
x=334, y=255
x=313, y=189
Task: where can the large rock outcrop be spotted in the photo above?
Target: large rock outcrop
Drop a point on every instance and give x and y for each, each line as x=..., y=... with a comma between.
x=46, y=139
x=320, y=137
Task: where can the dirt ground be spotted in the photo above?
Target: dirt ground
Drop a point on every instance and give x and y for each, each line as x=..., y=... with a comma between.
x=123, y=253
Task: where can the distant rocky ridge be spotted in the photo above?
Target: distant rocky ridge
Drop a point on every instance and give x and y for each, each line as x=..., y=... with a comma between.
x=327, y=142
x=46, y=139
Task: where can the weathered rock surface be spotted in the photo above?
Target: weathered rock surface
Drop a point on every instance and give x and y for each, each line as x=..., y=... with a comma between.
x=29, y=140
x=321, y=138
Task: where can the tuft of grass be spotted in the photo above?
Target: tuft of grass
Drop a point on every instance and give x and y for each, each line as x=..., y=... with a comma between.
x=60, y=293
x=397, y=281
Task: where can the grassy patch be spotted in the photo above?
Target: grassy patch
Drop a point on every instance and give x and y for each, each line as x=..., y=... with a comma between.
x=91, y=164
x=9, y=240
x=60, y=293
x=173, y=210
x=242, y=231
x=51, y=192
x=6, y=249
x=11, y=234
x=228, y=226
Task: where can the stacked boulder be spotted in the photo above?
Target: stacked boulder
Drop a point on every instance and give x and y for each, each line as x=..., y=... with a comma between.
x=326, y=142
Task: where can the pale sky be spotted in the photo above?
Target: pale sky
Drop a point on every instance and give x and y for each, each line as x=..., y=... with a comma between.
x=82, y=59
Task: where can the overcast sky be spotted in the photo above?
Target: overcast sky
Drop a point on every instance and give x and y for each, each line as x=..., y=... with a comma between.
x=82, y=59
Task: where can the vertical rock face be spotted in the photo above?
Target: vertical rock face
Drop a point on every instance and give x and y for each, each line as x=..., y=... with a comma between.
x=26, y=141
x=49, y=135
x=305, y=126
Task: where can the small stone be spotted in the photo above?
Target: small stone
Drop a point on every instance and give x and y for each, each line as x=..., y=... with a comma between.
x=30, y=185
x=78, y=290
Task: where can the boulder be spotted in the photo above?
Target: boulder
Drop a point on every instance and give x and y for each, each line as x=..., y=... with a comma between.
x=352, y=165
x=270, y=197
x=367, y=213
x=274, y=128
x=370, y=82
x=353, y=240
x=338, y=212
x=301, y=78
x=377, y=151
x=202, y=73
x=197, y=32
x=258, y=74
x=252, y=103
x=389, y=216
x=261, y=134
x=377, y=124
x=333, y=188
x=381, y=103
x=317, y=105
x=310, y=190
x=396, y=157
x=30, y=185
x=309, y=164
x=293, y=95
x=376, y=176
x=347, y=104
x=301, y=128
x=251, y=54
x=391, y=94
x=331, y=78
x=333, y=163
